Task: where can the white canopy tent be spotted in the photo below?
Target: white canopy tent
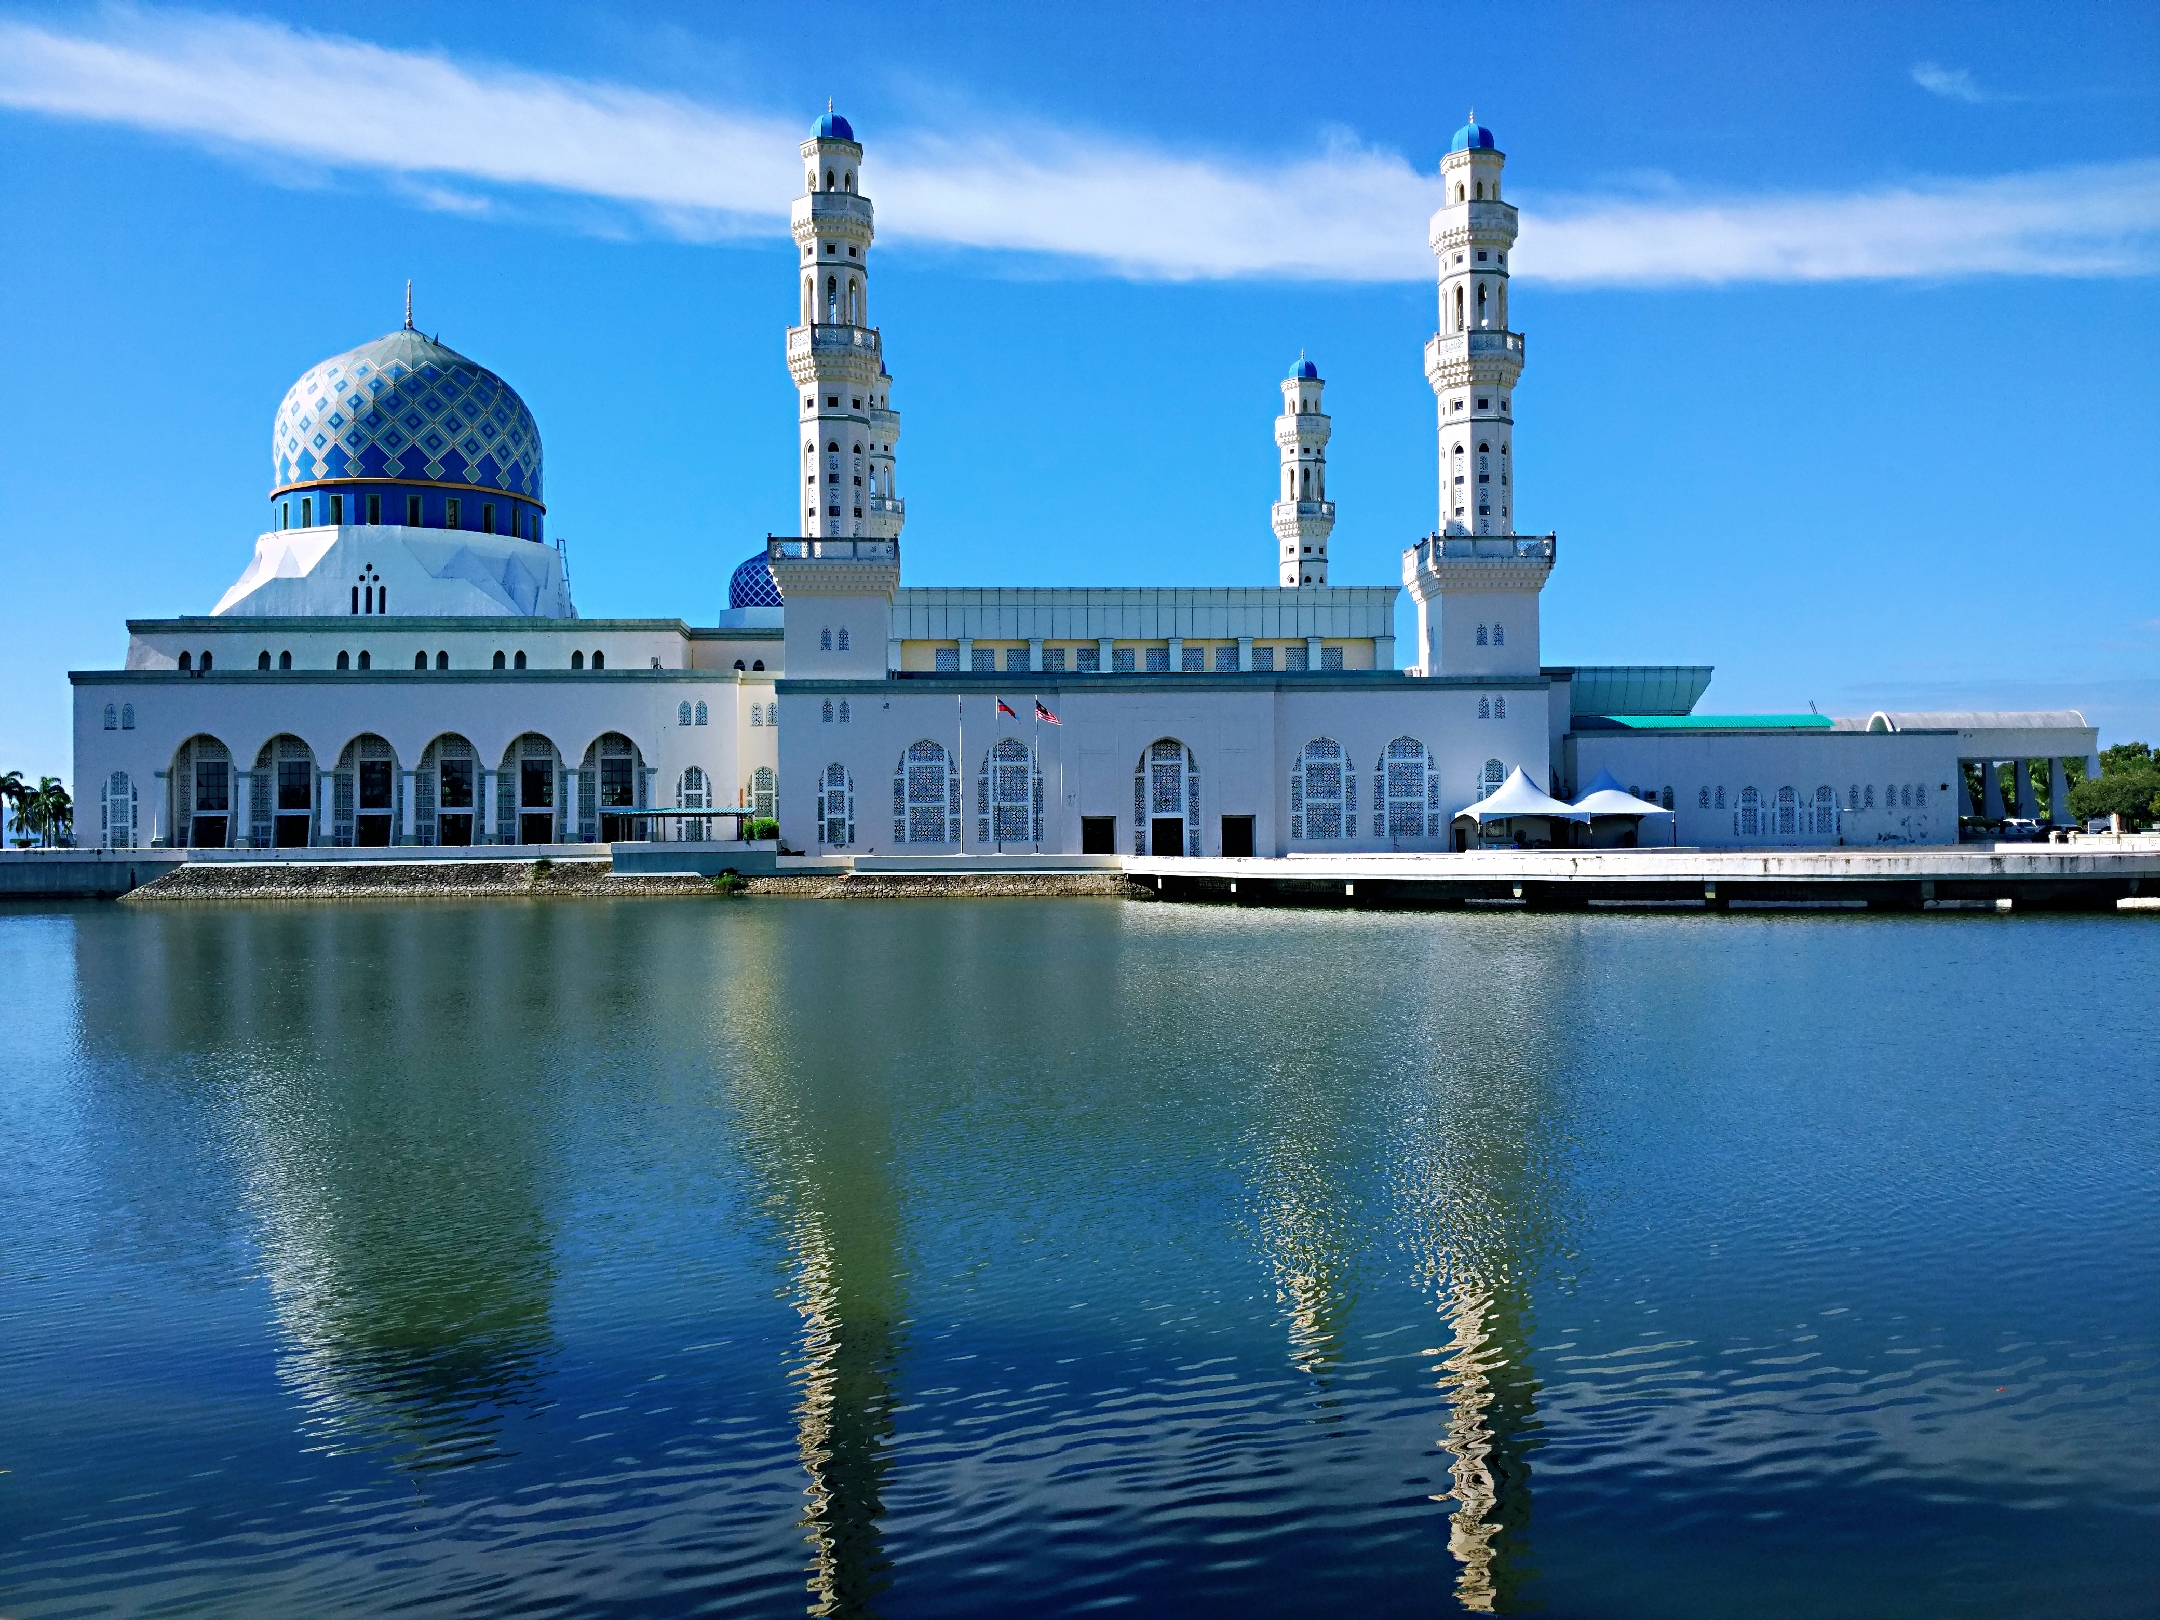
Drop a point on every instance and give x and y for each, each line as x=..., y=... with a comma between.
x=1605, y=798
x=1519, y=796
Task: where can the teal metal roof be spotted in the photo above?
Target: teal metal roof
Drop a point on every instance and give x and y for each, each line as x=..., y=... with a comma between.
x=1635, y=688
x=1702, y=722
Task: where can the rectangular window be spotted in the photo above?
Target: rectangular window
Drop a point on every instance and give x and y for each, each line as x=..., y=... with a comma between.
x=307, y=512
x=285, y=515
x=536, y=783
x=412, y=511
x=337, y=510
x=1331, y=658
x=374, y=509
x=1088, y=660
x=213, y=784
x=1158, y=660
x=1054, y=660
x=450, y=513
x=1263, y=658
x=1195, y=658
x=1121, y=660
x=293, y=784
x=1016, y=660
x=1225, y=660
x=1293, y=658
x=487, y=517
x=984, y=661
x=375, y=784
x=948, y=660
x=615, y=784
x=457, y=784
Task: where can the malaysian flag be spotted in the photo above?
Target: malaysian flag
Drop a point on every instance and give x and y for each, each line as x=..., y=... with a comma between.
x=1006, y=708
x=1042, y=713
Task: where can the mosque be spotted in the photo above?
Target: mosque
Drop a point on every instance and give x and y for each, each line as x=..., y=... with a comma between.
x=400, y=663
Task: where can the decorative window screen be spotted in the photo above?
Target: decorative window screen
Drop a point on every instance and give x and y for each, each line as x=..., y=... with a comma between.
x=1406, y=792
x=1323, y=792
x=1008, y=795
x=926, y=796
x=836, y=807
x=1166, y=784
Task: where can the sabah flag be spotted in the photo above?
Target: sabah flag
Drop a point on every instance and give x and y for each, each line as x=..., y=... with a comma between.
x=1042, y=713
x=1006, y=708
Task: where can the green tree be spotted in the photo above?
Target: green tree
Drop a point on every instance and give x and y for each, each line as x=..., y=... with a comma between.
x=11, y=798
x=2128, y=786
x=48, y=812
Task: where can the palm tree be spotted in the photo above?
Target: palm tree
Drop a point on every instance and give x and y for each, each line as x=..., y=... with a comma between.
x=12, y=793
x=49, y=811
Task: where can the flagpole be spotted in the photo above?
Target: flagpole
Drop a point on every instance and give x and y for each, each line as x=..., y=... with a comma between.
x=960, y=707
x=1035, y=764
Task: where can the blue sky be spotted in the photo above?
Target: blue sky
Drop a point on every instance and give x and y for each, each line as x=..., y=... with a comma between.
x=1844, y=342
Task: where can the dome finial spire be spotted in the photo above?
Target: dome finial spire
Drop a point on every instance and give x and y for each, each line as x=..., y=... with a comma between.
x=408, y=303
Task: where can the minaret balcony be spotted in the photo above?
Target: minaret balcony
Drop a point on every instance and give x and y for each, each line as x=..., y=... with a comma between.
x=887, y=506
x=825, y=206
x=1455, y=346
x=864, y=341
x=833, y=549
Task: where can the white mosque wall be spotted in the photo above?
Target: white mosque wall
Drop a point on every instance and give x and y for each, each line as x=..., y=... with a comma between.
x=1245, y=735
x=461, y=642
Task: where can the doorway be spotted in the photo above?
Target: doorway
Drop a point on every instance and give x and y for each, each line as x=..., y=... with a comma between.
x=1098, y=835
x=536, y=827
x=1166, y=836
x=1237, y=835
x=207, y=832
x=454, y=829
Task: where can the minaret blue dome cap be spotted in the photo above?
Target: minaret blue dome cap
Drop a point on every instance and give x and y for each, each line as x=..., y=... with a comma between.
x=835, y=128
x=1473, y=136
x=1305, y=368
x=752, y=585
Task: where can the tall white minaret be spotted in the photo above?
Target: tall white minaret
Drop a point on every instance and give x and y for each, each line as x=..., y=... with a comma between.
x=836, y=356
x=1476, y=579
x=1473, y=360
x=1303, y=513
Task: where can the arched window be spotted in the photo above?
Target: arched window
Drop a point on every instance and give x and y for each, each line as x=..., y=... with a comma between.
x=701, y=712
x=836, y=807
x=824, y=639
x=826, y=713
x=843, y=638
x=843, y=711
x=1406, y=792
x=119, y=811
x=682, y=714
x=366, y=662
x=442, y=660
x=498, y=660
x=262, y=659
x=599, y=659
x=832, y=301
x=1166, y=789
x=1499, y=635
x=1499, y=706
x=1495, y=778
x=1484, y=708
x=1905, y=796
x=1919, y=795
x=926, y=796
x=739, y=664
x=757, y=663
x=419, y=660
x=1481, y=303
x=691, y=793
x=1323, y=792
x=1748, y=821
x=577, y=660
x=1826, y=809
x=1481, y=635
x=764, y=792
x=1702, y=799
x=1008, y=795
x=187, y=661
x=344, y=660
x=1788, y=810
x=1481, y=188
x=284, y=660
x=757, y=714
x=519, y=661
x=1869, y=801
x=127, y=717
x=1458, y=309
x=772, y=714
x=112, y=717
x=1852, y=796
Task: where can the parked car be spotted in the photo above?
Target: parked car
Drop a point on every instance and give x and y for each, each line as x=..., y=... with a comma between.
x=2020, y=830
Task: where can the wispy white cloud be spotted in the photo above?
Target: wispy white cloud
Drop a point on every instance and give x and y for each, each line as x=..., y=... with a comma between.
x=480, y=138
x=1953, y=84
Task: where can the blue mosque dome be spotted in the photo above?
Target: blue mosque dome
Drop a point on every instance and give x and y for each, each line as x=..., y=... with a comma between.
x=406, y=410
x=833, y=127
x=751, y=585
x=1305, y=368
x=1473, y=136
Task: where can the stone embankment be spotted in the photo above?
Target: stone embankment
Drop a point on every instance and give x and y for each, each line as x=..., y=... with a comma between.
x=585, y=879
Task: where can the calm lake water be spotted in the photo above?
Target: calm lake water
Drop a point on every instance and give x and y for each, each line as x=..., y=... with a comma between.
x=928, y=1258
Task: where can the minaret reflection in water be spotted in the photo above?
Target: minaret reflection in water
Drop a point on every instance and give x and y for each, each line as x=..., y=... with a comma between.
x=1475, y=1168
x=816, y=1113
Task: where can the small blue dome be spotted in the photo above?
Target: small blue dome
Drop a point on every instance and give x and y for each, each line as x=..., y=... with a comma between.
x=1473, y=136
x=1305, y=368
x=833, y=127
x=752, y=584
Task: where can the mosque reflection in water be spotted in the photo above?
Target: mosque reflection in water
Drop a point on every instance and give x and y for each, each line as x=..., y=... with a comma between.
x=399, y=1175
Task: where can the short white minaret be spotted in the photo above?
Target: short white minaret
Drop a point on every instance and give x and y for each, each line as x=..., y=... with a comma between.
x=1304, y=515
x=1475, y=580
x=836, y=356
x=1473, y=360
